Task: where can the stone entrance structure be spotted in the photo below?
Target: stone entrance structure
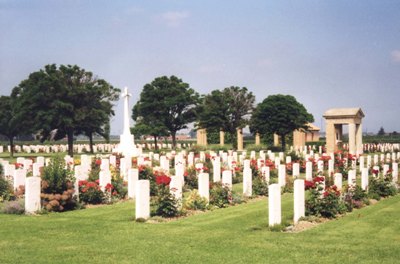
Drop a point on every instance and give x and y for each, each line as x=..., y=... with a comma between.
x=335, y=119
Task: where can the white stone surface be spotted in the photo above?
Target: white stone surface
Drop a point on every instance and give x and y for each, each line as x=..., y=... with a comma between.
x=274, y=204
x=142, y=201
x=104, y=179
x=217, y=169
x=351, y=177
x=227, y=178
x=204, y=185
x=338, y=180
x=32, y=194
x=282, y=175
x=296, y=169
x=364, y=178
x=309, y=169
x=247, y=182
x=299, y=200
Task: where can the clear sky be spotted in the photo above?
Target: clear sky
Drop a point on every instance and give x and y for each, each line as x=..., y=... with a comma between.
x=328, y=54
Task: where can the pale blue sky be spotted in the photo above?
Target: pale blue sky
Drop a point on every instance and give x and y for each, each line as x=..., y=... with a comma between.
x=327, y=54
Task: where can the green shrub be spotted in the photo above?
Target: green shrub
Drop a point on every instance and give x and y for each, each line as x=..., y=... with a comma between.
x=57, y=177
x=6, y=191
x=381, y=187
x=324, y=203
x=195, y=202
x=220, y=196
x=260, y=187
x=1, y=169
x=90, y=192
x=191, y=181
x=165, y=204
x=146, y=173
x=355, y=197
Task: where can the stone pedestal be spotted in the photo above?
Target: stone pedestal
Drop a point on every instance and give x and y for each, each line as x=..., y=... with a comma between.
x=142, y=207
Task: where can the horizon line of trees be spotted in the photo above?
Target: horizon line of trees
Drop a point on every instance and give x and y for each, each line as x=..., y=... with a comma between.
x=64, y=101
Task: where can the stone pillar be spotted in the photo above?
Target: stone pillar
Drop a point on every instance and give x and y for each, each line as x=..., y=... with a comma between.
x=221, y=138
x=133, y=177
x=239, y=132
x=32, y=194
x=330, y=137
x=352, y=138
x=299, y=200
x=359, y=146
x=274, y=204
x=247, y=182
x=257, y=139
x=142, y=206
x=204, y=185
x=276, y=140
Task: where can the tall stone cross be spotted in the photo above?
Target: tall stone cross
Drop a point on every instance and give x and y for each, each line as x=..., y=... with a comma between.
x=126, y=96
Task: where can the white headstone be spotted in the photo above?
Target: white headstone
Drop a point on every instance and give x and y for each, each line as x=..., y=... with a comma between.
x=282, y=175
x=364, y=178
x=247, y=182
x=217, y=169
x=338, y=180
x=227, y=178
x=299, y=200
x=104, y=179
x=142, y=205
x=296, y=169
x=32, y=194
x=309, y=166
x=265, y=173
x=351, y=178
x=274, y=204
x=133, y=177
x=204, y=185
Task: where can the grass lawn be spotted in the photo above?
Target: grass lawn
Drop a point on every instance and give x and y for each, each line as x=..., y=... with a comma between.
x=237, y=234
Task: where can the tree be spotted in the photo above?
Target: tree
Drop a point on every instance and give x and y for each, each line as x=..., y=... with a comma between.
x=226, y=110
x=166, y=105
x=9, y=126
x=281, y=115
x=67, y=99
x=381, y=132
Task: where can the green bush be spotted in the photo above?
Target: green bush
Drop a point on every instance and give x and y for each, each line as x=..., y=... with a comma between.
x=90, y=192
x=220, y=196
x=381, y=187
x=260, y=187
x=191, y=181
x=195, y=202
x=324, y=203
x=355, y=197
x=165, y=204
x=6, y=191
x=1, y=169
x=57, y=177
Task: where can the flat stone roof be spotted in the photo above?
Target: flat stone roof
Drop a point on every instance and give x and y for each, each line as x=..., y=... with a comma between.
x=344, y=112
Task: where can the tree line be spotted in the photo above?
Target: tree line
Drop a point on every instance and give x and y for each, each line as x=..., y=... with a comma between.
x=64, y=101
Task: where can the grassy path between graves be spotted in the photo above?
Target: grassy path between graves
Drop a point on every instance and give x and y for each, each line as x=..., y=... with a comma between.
x=237, y=234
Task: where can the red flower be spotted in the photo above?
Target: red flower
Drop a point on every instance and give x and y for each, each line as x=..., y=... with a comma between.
x=109, y=187
x=98, y=162
x=309, y=184
x=163, y=179
x=185, y=173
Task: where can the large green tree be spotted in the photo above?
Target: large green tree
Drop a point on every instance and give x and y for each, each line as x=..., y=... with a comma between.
x=226, y=110
x=9, y=126
x=67, y=99
x=279, y=114
x=167, y=104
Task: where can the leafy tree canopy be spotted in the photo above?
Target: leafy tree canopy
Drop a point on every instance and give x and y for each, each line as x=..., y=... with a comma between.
x=281, y=115
x=9, y=126
x=166, y=105
x=226, y=110
x=66, y=98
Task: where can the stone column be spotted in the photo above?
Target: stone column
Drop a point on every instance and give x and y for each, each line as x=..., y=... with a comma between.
x=299, y=202
x=142, y=207
x=257, y=139
x=274, y=204
x=359, y=146
x=352, y=139
x=330, y=137
x=276, y=140
x=239, y=139
x=221, y=138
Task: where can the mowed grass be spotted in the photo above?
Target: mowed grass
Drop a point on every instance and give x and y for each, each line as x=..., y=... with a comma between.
x=238, y=234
